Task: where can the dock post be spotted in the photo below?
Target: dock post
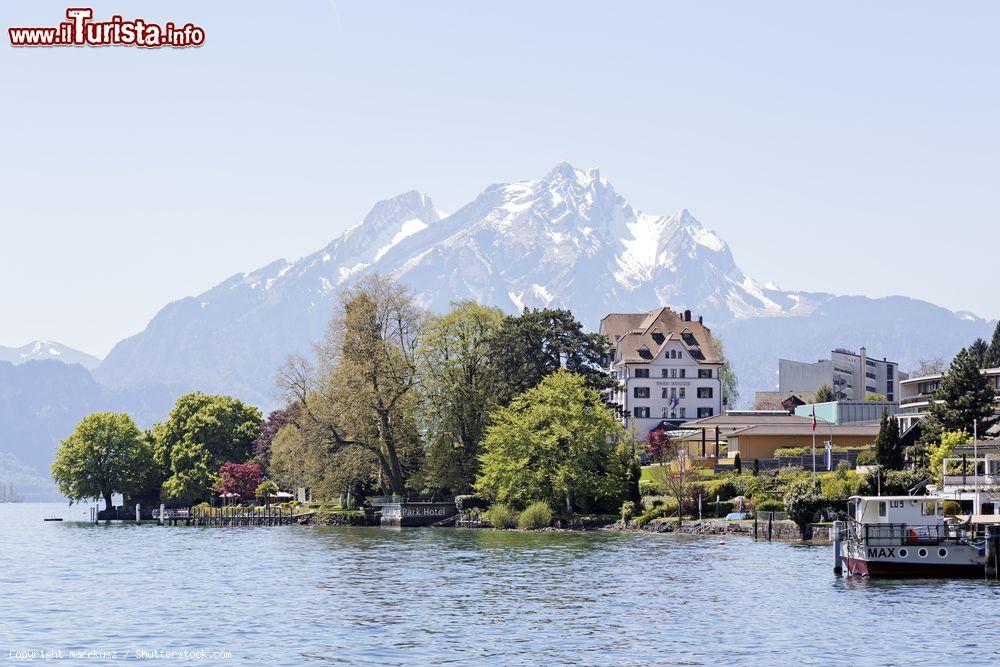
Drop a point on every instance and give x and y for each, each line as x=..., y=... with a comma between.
x=137, y=514
x=754, y=526
x=161, y=514
x=993, y=552
x=770, y=519
x=837, y=564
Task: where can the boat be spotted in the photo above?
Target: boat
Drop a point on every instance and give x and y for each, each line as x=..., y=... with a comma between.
x=52, y=518
x=910, y=536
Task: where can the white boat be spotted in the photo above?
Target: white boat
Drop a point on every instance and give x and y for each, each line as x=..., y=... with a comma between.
x=909, y=536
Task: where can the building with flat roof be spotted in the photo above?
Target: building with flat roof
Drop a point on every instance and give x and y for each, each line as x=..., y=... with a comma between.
x=917, y=393
x=852, y=376
x=667, y=367
x=849, y=412
x=762, y=440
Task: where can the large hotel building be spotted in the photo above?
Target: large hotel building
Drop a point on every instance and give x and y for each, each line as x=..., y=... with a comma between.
x=667, y=368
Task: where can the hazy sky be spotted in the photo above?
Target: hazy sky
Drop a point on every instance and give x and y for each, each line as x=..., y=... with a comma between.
x=849, y=148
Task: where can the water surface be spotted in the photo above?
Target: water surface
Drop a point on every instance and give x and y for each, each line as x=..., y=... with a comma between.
x=299, y=595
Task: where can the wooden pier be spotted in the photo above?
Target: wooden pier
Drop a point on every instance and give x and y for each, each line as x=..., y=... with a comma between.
x=229, y=516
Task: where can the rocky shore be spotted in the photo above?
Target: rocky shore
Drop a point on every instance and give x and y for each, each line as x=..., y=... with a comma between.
x=784, y=531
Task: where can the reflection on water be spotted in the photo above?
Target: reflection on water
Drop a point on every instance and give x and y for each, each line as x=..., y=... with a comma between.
x=288, y=595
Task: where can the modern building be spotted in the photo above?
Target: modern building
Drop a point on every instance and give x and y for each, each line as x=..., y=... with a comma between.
x=971, y=477
x=704, y=436
x=852, y=376
x=916, y=394
x=667, y=367
x=849, y=412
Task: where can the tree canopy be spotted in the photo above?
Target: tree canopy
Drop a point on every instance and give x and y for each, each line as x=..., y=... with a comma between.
x=456, y=393
x=556, y=442
x=993, y=352
x=106, y=454
x=537, y=343
x=360, y=401
x=825, y=395
x=201, y=433
x=965, y=398
x=889, y=450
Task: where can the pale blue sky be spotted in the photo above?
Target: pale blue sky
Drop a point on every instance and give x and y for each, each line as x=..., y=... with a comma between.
x=849, y=147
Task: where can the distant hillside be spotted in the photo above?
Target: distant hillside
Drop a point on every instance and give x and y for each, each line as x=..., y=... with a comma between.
x=40, y=350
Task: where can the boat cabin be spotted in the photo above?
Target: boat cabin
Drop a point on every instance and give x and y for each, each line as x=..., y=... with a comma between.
x=909, y=510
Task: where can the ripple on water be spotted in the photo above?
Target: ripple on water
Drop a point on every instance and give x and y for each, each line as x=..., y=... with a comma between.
x=363, y=595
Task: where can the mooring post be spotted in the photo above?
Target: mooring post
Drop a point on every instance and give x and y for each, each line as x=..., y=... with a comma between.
x=837, y=565
x=993, y=552
x=161, y=514
x=770, y=519
x=137, y=514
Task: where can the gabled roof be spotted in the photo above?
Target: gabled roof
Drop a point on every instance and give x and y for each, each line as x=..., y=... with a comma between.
x=630, y=332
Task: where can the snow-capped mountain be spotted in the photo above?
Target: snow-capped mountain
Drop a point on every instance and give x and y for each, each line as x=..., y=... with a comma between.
x=46, y=349
x=567, y=239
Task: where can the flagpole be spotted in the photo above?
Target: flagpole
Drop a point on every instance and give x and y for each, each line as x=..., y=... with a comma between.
x=975, y=462
x=814, y=447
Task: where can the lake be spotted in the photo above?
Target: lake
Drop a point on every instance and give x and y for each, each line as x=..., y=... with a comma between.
x=299, y=595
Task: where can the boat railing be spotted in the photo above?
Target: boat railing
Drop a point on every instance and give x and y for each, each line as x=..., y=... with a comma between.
x=901, y=534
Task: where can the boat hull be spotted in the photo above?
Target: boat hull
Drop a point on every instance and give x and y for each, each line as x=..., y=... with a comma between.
x=860, y=567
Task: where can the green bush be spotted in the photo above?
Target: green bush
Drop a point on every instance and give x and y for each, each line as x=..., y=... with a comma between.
x=468, y=502
x=501, y=516
x=535, y=516
x=770, y=505
x=648, y=487
x=627, y=511
x=952, y=507
x=867, y=458
x=790, y=451
x=723, y=487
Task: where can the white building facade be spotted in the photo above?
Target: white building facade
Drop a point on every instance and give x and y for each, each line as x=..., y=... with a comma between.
x=667, y=368
x=852, y=376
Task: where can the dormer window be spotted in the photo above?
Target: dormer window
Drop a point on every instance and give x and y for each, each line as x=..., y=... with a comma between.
x=645, y=353
x=658, y=337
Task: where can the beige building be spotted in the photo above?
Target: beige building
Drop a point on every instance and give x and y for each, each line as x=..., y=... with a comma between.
x=667, y=368
x=760, y=441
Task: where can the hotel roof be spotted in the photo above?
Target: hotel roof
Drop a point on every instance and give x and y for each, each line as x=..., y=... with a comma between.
x=641, y=336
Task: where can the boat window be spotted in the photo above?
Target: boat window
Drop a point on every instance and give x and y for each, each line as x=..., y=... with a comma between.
x=929, y=508
x=881, y=508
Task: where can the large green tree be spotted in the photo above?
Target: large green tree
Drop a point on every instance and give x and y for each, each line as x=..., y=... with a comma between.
x=527, y=348
x=979, y=350
x=556, y=442
x=456, y=393
x=360, y=396
x=965, y=398
x=201, y=433
x=106, y=454
x=993, y=353
x=889, y=450
x=824, y=395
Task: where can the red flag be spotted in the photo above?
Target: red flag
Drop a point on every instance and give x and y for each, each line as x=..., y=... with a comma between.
x=814, y=417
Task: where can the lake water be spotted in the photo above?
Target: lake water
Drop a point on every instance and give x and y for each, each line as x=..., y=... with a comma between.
x=298, y=595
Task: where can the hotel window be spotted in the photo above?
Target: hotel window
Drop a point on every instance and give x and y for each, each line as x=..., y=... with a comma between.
x=704, y=412
x=640, y=392
x=684, y=413
x=642, y=413
x=673, y=372
x=704, y=392
x=663, y=372
x=683, y=392
x=683, y=373
x=642, y=372
x=704, y=372
x=673, y=392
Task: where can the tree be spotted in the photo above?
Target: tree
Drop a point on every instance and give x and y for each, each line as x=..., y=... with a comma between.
x=965, y=397
x=537, y=343
x=556, y=442
x=671, y=471
x=737, y=464
x=727, y=376
x=927, y=367
x=275, y=421
x=456, y=393
x=945, y=448
x=802, y=504
x=824, y=395
x=265, y=490
x=201, y=433
x=888, y=448
x=106, y=454
x=876, y=398
x=979, y=350
x=360, y=396
x=993, y=353
x=239, y=479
